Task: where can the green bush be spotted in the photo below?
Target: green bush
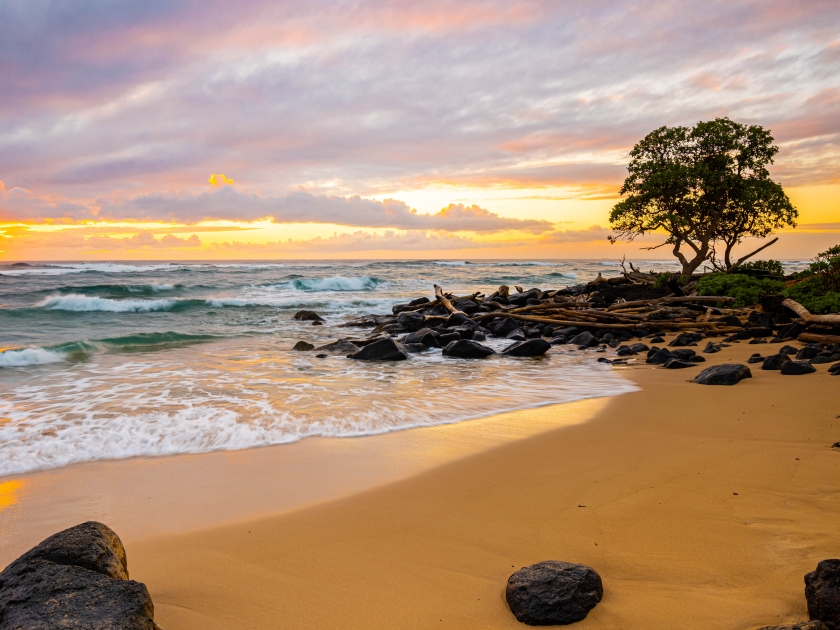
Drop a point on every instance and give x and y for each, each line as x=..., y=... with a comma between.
x=826, y=267
x=811, y=294
x=745, y=289
x=773, y=267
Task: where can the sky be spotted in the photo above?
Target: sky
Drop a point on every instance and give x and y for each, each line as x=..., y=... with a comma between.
x=178, y=129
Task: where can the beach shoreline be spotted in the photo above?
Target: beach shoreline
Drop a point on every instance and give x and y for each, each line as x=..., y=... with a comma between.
x=701, y=507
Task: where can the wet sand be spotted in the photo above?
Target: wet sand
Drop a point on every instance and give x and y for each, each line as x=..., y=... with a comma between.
x=701, y=507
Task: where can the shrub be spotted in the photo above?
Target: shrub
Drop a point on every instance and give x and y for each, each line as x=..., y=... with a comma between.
x=811, y=294
x=745, y=289
x=772, y=267
x=826, y=267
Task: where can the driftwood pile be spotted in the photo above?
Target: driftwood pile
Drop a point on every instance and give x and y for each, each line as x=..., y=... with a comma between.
x=613, y=309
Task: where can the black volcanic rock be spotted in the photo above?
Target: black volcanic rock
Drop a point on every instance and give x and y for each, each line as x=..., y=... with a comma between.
x=553, y=593
x=802, y=625
x=529, y=348
x=77, y=578
x=677, y=364
x=308, y=316
x=411, y=321
x=797, y=368
x=467, y=349
x=385, y=349
x=822, y=592
x=586, y=339
x=775, y=362
x=303, y=346
x=724, y=374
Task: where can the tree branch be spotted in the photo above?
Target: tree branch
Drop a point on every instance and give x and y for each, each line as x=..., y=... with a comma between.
x=766, y=245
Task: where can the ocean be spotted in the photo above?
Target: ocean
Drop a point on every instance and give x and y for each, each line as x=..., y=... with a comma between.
x=127, y=359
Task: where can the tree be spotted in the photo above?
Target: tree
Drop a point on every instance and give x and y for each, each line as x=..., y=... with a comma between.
x=706, y=187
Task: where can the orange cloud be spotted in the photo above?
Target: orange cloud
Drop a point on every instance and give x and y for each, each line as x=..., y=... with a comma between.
x=217, y=179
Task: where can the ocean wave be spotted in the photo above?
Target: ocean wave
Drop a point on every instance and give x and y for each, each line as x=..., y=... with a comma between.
x=526, y=264
x=336, y=283
x=24, y=357
x=451, y=263
x=58, y=269
x=86, y=303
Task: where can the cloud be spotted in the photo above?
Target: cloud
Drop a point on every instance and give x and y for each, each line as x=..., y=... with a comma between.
x=226, y=203
x=217, y=179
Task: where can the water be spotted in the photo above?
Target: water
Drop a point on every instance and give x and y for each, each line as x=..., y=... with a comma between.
x=117, y=360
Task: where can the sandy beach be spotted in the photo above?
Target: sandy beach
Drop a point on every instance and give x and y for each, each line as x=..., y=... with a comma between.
x=700, y=507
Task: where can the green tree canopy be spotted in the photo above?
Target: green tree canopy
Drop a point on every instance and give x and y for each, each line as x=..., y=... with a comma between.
x=707, y=187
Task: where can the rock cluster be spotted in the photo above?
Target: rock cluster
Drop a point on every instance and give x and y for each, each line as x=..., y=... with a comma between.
x=77, y=578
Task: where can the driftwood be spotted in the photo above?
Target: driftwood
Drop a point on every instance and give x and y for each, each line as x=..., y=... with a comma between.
x=446, y=303
x=807, y=318
x=815, y=338
x=672, y=300
x=596, y=324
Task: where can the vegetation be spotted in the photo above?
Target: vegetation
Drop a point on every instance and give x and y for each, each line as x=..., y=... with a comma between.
x=826, y=267
x=770, y=267
x=707, y=187
x=810, y=294
x=745, y=289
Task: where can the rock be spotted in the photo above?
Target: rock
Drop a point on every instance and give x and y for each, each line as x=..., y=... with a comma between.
x=711, y=348
x=724, y=374
x=821, y=360
x=795, y=368
x=424, y=336
x=530, y=348
x=342, y=347
x=478, y=336
x=77, y=578
x=677, y=364
x=586, y=339
x=822, y=592
x=660, y=357
x=401, y=307
x=730, y=320
x=756, y=358
x=808, y=352
x=448, y=338
x=625, y=351
x=639, y=347
x=775, y=362
x=569, y=331
x=683, y=353
x=834, y=368
x=657, y=339
x=804, y=625
x=414, y=348
x=553, y=593
x=385, y=349
x=467, y=306
x=697, y=359
x=501, y=327
x=465, y=332
x=411, y=321
x=684, y=339
x=322, y=356
x=308, y=316
x=760, y=331
x=788, y=350
x=459, y=319
x=516, y=335
x=755, y=341
x=467, y=349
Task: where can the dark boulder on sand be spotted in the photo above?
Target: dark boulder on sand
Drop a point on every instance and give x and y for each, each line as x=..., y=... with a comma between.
x=553, y=593
x=796, y=368
x=308, y=316
x=529, y=348
x=342, y=347
x=585, y=339
x=625, y=351
x=775, y=362
x=678, y=364
x=466, y=349
x=501, y=327
x=788, y=350
x=822, y=592
x=685, y=339
x=303, y=346
x=77, y=578
x=756, y=358
x=724, y=374
x=808, y=352
x=385, y=349
x=711, y=348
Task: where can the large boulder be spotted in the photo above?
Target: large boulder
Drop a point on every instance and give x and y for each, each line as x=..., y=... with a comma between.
x=385, y=349
x=77, y=578
x=303, y=346
x=724, y=374
x=424, y=336
x=822, y=592
x=685, y=339
x=308, y=316
x=660, y=356
x=678, y=364
x=775, y=362
x=553, y=593
x=808, y=352
x=585, y=339
x=712, y=347
x=795, y=368
x=342, y=347
x=411, y=321
x=467, y=349
x=501, y=327
x=529, y=348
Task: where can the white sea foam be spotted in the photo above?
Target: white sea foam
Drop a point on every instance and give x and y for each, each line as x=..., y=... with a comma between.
x=85, y=303
x=59, y=269
x=335, y=283
x=451, y=263
x=29, y=356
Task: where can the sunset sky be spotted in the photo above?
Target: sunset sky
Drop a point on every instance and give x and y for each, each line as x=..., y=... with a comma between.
x=176, y=129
